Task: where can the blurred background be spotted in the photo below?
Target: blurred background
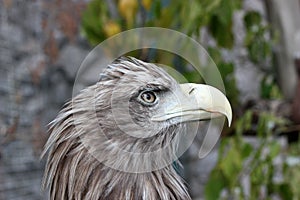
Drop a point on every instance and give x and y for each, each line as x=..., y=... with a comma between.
x=254, y=43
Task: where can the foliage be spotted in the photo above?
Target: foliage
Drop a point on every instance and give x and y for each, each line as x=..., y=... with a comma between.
x=259, y=45
x=240, y=160
x=92, y=23
x=220, y=23
x=176, y=14
x=256, y=41
x=292, y=172
x=269, y=89
x=99, y=22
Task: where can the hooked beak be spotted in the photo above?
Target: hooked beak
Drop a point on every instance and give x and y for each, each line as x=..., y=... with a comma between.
x=198, y=102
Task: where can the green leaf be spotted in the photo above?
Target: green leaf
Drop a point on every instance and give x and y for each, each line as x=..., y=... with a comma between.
x=247, y=149
x=221, y=31
x=225, y=13
x=231, y=163
x=92, y=21
x=226, y=69
x=248, y=119
x=252, y=18
x=269, y=89
x=257, y=175
x=259, y=49
x=220, y=24
x=157, y=8
x=214, y=185
x=274, y=149
x=244, y=123
x=285, y=191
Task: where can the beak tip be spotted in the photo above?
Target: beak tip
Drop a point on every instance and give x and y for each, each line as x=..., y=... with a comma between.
x=228, y=115
x=229, y=120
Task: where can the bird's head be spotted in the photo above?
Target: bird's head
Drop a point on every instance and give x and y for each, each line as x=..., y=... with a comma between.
x=144, y=99
x=139, y=109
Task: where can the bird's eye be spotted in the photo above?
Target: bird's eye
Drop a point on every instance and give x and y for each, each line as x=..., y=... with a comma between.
x=148, y=97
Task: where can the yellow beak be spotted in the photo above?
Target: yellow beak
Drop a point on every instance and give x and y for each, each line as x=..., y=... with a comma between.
x=199, y=102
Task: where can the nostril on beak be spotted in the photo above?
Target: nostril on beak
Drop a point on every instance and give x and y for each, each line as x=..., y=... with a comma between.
x=190, y=92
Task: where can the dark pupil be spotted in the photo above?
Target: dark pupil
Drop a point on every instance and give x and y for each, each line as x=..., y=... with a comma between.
x=148, y=97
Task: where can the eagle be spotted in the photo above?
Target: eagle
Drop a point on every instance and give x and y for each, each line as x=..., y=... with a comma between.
x=117, y=139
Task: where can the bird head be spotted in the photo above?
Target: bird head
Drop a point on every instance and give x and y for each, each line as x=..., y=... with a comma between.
x=144, y=97
x=139, y=111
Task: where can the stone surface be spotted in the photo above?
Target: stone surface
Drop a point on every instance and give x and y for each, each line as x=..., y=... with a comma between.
x=70, y=58
x=33, y=87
